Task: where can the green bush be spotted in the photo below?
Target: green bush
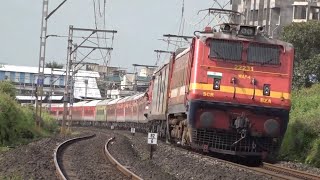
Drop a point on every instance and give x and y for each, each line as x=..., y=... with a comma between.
x=8, y=88
x=15, y=122
x=302, y=140
x=49, y=124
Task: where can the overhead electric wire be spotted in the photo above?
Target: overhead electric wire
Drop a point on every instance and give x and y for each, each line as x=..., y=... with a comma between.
x=108, y=54
x=93, y=59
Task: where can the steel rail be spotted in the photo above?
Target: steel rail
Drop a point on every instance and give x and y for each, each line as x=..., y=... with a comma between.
x=120, y=167
x=275, y=171
x=290, y=172
x=58, y=152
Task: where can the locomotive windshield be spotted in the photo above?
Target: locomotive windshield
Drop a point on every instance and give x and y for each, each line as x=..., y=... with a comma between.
x=263, y=54
x=226, y=50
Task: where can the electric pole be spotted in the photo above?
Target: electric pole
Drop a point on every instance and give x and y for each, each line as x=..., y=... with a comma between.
x=40, y=79
x=71, y=65
x=51, y=89
x=42, y=56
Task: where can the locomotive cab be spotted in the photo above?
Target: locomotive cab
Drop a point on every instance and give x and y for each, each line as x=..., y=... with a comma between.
x=239, y=92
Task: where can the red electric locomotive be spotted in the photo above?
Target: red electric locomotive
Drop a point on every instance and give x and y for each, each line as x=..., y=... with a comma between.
x=229, y=92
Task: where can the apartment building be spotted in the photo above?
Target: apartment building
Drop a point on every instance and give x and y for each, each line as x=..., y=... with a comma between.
x=275, y=14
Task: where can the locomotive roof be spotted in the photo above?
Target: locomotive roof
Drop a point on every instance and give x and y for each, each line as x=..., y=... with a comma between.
x=257, y=38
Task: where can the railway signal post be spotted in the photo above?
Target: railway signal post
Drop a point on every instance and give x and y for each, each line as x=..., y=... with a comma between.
x=133, y=131
x=152, y=141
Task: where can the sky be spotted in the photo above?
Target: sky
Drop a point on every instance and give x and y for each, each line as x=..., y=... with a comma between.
x=139, y=23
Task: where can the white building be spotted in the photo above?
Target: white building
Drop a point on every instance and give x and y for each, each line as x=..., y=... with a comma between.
x=25, y=81
x=275, y=14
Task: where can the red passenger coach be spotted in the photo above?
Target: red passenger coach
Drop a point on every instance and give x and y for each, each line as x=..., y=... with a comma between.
x=78, y=111
x=89, y=110
x=112, y=110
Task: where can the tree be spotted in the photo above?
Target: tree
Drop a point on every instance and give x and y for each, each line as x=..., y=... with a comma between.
x=305, y=38
x=54, y=64
x=8, y=88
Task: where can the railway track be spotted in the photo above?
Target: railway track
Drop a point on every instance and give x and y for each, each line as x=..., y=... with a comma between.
x=288, y=173
x=275, y=171
x=58, y=153
x=271, y=170
x=82, y=158
x=121, y=168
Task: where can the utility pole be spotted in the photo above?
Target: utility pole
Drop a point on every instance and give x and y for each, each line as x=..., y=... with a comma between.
x=67, y=83
x=40, y=79
x=43, y=42
x=72, y=79
x=71, y=65
x=51, y=89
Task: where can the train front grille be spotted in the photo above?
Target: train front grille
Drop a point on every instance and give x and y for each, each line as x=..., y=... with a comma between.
x=220, y=140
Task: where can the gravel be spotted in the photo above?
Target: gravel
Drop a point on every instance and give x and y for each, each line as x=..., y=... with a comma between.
x=85, y=160
x=35, y=160
x=176, y=162
x=31, y=161
x=121, y=149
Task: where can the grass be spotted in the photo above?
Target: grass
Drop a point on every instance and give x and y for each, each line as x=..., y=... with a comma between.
x=4, y=149
x=302, y=140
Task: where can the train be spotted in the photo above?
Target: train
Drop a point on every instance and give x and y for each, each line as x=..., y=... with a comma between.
x=229, y=92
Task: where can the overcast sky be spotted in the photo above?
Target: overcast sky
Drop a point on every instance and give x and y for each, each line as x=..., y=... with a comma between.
x=139, y=24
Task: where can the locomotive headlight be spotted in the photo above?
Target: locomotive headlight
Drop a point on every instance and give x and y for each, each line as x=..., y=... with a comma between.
x=271, y=127
x=147, y=107
x=206, y=119
x=247, y=31
x=266, y=90
x=216, y=84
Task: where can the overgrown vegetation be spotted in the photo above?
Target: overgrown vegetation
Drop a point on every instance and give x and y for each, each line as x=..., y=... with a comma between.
x=305, y=38
x=302, y=140
x=17, y=124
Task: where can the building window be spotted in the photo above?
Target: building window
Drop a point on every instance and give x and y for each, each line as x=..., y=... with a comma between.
x=255, y=15
x=265, y=14
x=32, y=78
x=61, y=81
x=300, y=12
x=315, y=13
x=2, y=75
x=22, y=77
x=12, y=76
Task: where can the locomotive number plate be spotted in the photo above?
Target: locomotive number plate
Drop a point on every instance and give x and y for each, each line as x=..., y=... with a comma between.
x=243, y=68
